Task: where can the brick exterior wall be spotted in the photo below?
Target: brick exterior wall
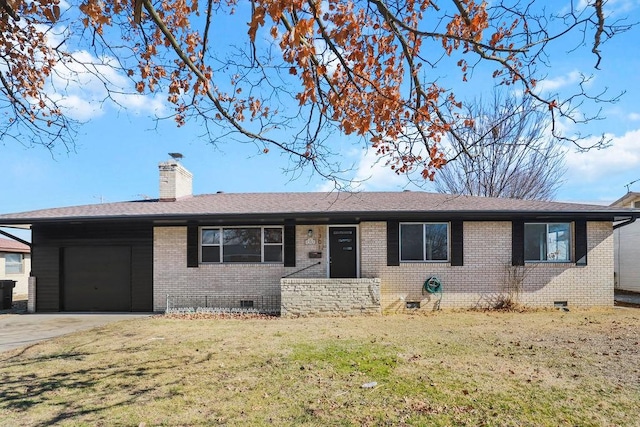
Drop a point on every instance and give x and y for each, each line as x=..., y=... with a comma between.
x=175, y=181
x=480, y=282
x=172, y=277
x=327, y=297
x=483, y=279
x=583, y=286
x=317, y=267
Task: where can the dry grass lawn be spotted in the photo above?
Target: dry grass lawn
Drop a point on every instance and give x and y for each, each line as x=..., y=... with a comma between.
x=457, y=368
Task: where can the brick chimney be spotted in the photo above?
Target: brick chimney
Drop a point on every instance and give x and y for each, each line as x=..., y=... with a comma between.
x=175, y=181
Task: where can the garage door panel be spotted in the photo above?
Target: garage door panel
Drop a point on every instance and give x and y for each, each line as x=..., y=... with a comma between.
x=97, y=278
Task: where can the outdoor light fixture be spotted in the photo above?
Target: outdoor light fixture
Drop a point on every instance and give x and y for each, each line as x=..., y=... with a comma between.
x=310, y=233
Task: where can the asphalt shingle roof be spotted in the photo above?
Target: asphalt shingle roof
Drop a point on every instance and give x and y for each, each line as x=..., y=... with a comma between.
x=306, y=205
x=626, y=198
x=11, y=246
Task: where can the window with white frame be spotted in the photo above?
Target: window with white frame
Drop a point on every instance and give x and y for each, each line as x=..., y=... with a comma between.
x=241, y=244
x=547, y=242
x=13, y=263
x=424, y=241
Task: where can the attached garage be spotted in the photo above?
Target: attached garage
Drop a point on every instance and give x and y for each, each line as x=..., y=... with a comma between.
x=96, y=278
x=84, y=267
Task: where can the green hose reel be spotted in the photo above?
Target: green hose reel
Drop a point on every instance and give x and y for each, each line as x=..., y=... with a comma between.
x=433, y=285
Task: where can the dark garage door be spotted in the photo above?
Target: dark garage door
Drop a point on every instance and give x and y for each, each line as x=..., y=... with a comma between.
x=97, y=278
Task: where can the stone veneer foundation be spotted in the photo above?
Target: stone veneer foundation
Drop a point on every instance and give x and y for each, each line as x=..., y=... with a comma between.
x=329, y=297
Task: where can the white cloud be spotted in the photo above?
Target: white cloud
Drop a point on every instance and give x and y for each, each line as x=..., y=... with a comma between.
x=554, y=84
x=139, y=104
x=610, y=7
x=622, y=113
x=86, y=85
x=80, y=87
x=77, y=107
x=374, y=174
x=619, y=7
x=371, y=173
x=623, y=155
x=64, y=5
x=326, y=56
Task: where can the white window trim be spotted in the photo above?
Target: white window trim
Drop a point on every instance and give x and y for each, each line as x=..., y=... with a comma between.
x=221, y=244
x=424, y=249
x=551, y=261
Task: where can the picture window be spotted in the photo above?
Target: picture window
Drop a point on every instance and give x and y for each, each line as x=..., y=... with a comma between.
x=424, y=241
x=241, y=244
x=547, y=242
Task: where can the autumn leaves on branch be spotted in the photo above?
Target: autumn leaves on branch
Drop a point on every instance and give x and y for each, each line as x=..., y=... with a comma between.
x=307, y=68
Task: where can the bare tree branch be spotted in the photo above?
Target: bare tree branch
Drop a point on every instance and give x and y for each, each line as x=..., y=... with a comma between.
x=512, y=153
x=307, y=74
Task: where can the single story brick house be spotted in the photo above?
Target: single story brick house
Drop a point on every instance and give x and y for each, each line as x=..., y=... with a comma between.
x=315, y=253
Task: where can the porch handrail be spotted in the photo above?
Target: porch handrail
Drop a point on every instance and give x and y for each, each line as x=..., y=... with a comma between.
x=302, y=269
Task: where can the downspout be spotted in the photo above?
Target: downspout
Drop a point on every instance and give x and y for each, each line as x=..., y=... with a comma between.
x=16, y=238
x=627, y=222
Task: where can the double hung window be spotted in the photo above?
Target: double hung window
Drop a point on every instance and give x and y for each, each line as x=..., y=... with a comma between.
x=13, y=263
x=424, y=241
x=241, y=244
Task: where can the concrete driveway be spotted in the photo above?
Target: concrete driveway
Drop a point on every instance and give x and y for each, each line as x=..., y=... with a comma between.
x=17, y=330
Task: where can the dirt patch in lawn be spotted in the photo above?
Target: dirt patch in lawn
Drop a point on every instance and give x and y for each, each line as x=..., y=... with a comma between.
x=502, y=369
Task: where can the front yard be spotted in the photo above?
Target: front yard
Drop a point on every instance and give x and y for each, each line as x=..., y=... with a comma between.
x=457, y=368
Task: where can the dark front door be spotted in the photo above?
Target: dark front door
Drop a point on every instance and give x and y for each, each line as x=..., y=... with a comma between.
x=97, y=278
x=343, y=260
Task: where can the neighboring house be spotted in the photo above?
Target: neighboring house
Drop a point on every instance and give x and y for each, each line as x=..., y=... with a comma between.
x=626, y=244
x=307, y=253
x=15, y=264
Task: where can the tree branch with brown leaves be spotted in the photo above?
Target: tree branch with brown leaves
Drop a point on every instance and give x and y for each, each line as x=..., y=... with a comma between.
x=308, y=72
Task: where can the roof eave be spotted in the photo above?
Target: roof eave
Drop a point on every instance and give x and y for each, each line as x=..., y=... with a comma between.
x=483, y=215
x=623, y=200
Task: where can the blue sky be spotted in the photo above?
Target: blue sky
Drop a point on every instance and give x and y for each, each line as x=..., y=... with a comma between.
x=118, y=150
